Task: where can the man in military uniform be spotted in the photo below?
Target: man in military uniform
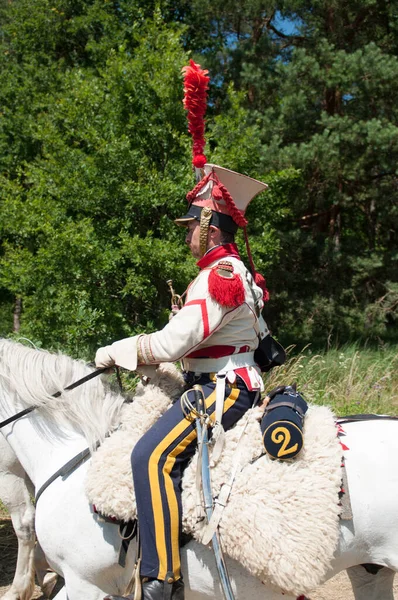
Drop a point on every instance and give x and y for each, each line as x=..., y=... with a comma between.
x=214, y=336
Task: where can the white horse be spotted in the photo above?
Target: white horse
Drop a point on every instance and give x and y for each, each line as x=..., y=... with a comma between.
x=15, y=493
x=77, y=546
x=85, y=551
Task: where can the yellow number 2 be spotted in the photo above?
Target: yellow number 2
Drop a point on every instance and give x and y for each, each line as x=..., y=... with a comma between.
x=281, y=435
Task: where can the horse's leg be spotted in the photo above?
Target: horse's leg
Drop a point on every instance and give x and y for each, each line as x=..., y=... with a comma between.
x=368, y=586
x=15, y=496
x=80, y=548
x=46, y=577
x=77, y=588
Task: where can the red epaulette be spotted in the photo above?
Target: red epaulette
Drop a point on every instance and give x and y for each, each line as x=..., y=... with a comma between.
x=225, y=286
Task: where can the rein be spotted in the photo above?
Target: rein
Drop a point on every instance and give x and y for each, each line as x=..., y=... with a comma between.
x=64, y=471
x=72, y=386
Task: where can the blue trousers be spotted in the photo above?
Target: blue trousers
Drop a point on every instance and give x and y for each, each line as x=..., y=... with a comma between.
x=158, y=461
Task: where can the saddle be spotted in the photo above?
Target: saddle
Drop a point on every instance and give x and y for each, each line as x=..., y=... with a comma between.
x=278, y=514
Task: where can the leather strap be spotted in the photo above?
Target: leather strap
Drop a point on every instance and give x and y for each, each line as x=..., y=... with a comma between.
x=70, y=466
x=218, y=431
x=127, y=531
x=292, y=405
x=72, y=386
x=221, y=500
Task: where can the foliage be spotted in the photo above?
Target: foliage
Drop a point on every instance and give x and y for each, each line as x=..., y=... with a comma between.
x=349, y=379
x=85, y=235
x=317, y=102
x=95, y=161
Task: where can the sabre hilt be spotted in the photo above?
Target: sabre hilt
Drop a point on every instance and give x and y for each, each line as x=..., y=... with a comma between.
x=176, y=300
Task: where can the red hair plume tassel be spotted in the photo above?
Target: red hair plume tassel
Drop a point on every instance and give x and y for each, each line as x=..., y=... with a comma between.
x=196, y=84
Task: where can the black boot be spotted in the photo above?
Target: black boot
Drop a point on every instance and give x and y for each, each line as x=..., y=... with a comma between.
x=162, y=590
x=157, y=590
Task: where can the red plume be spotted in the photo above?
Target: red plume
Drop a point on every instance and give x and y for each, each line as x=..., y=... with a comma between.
x=196, y=84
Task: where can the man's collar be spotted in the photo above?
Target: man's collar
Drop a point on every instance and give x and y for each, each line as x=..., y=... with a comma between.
x=217, y=253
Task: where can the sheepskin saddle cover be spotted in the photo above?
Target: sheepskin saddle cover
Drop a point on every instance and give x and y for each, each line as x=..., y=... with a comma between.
x=282, y=518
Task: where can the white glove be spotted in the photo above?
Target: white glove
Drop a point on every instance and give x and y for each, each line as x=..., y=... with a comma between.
x=104, y=357
x=122, y=353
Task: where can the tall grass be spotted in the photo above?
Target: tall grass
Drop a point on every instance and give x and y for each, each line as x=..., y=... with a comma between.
x=350, y=380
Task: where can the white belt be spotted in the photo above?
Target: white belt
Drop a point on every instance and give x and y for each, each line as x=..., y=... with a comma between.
x=219, y=365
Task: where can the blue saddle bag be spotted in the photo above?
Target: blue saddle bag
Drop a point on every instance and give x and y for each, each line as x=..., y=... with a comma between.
x=282, y=423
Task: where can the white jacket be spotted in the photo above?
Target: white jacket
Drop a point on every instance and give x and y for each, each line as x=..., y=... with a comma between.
x=217, y=330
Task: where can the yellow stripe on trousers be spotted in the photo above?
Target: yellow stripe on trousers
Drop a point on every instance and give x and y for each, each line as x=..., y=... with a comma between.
x=170, y=494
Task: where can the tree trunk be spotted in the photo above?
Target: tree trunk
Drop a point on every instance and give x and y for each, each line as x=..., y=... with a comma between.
x=17, y=314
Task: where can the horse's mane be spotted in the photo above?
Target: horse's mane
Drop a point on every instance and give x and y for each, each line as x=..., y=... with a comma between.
x=29, y=378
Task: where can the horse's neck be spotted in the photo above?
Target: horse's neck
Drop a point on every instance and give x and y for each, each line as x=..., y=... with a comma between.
x=40, y=450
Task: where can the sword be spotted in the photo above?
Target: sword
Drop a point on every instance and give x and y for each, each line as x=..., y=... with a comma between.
x=208, y=496
x=176, y=300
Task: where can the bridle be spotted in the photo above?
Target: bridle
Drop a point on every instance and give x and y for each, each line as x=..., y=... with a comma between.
x=82, y=456
x=72, y=386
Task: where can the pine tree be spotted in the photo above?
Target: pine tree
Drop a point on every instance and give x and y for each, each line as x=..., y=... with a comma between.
x=306, y=90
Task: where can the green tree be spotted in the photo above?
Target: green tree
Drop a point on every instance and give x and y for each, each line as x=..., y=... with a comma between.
x=91, y=174
x=94, y=161
x=308, y=88
x=338, y=118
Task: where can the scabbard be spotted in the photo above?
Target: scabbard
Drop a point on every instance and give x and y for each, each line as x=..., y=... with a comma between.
x=208, y=496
